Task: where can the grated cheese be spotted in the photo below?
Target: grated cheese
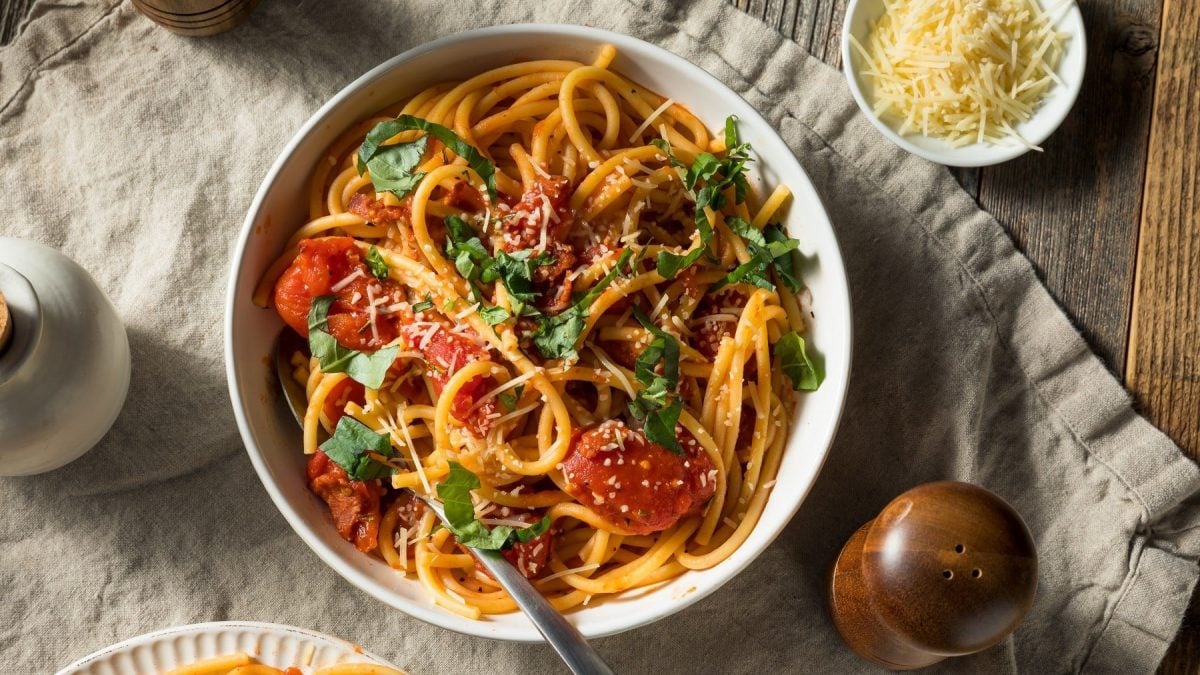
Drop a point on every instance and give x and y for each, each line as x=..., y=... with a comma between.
x=347, y=280
x=573, y=570
x=650, y=120
x=503, y=388
x=966, y=71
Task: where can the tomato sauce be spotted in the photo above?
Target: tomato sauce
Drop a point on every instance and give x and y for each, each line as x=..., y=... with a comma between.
x=635, y=484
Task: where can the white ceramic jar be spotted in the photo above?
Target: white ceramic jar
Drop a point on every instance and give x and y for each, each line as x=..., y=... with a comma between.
x=64, y=371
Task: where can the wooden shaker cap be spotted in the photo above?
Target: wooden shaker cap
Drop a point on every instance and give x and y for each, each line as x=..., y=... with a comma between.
x=5, y=324
x=946, y=569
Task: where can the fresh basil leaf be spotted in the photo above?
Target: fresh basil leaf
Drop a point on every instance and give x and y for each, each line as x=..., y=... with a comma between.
x=424, y=305
x=367, y=369
x=657, y=403
x=746, y=231
x=534, y=531
x=493, y=315
x=794, y=360
x=455, y=493
x=392, y=168
x=480, y=164
x=555, y=336
x=663, y=348
x=508, y=400
x=371, y=369
x=660, y=426
x=706, y=179
x=786, y=266
x=349, y=445
x=377, y=264
x=515, y=270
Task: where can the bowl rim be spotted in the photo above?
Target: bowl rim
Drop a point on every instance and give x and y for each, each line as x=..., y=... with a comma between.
x=427, y=612
x=969, y=156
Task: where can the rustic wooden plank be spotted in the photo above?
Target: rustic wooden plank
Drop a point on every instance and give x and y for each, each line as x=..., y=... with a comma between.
x=1073, y=210
x=1163, y=364
x=12, y=12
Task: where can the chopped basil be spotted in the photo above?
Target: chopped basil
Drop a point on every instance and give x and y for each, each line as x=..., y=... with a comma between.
x=494, y=315
x=349, y=445
x=377, y=264
x=556, y=335
x=509, y=401
x=515, y=271
x=770, y=248
x=424, y=305
x=658, y=404
x=786, y=266
x=398, y=161
x=455, y=493
x=367, y=369
x=465, y=248
x=706, y=180
x=794, y=360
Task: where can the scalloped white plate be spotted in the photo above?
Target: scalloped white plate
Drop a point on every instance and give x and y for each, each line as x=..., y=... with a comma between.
x=271, y=643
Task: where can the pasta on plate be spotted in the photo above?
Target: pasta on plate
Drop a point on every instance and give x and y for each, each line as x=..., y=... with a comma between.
x=555, y=301
x=242, y=663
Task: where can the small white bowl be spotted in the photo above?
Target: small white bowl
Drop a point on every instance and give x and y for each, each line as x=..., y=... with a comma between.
x=280, y=207
x=1052, y=111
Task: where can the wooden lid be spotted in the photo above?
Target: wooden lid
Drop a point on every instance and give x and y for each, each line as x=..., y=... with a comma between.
x=950, y=567
x=5, y=324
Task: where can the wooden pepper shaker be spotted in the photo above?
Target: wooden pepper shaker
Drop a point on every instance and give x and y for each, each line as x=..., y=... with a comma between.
x=946, y=569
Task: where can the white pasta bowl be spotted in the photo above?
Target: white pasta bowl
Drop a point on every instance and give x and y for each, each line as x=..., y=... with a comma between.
x=1046, y=118
x=272, y=437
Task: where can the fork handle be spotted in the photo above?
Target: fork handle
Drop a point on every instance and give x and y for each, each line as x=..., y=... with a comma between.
x=562, y=635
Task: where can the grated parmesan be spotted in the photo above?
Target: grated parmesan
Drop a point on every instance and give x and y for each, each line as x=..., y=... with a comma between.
x=967, y=71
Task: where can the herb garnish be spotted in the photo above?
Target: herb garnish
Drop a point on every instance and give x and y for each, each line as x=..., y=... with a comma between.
x=796, y=364
x=706, y=180
x=349, y=445
x=658, y=404
x=556, y=335
x=392, y=166
x=367, y=369
x=424, y=305
x=509, y=400
x=768, y=248
x=455, y=493
x=377, y=264
x=514, y=270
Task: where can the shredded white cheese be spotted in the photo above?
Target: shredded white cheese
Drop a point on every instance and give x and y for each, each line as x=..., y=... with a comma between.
x=650, y=120
x=965, y=71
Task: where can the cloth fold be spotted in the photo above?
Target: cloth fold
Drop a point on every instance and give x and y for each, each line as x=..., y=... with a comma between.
x=136, y=152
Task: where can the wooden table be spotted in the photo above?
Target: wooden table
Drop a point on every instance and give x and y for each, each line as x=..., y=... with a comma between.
x=1109, y=214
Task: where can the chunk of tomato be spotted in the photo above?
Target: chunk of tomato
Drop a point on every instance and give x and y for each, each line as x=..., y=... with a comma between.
x=637, y=485
x=354, y=505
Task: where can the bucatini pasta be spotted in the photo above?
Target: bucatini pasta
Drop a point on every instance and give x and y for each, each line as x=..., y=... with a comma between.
x=552, y=299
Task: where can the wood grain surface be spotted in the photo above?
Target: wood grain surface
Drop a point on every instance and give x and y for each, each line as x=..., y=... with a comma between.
x=1163, y=362
x=1109, y=214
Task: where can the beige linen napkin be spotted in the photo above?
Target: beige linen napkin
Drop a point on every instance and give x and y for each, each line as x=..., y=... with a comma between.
x=137, y=152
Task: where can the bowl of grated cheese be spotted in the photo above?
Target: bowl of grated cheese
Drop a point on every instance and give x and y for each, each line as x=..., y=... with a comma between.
x=965, y=82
